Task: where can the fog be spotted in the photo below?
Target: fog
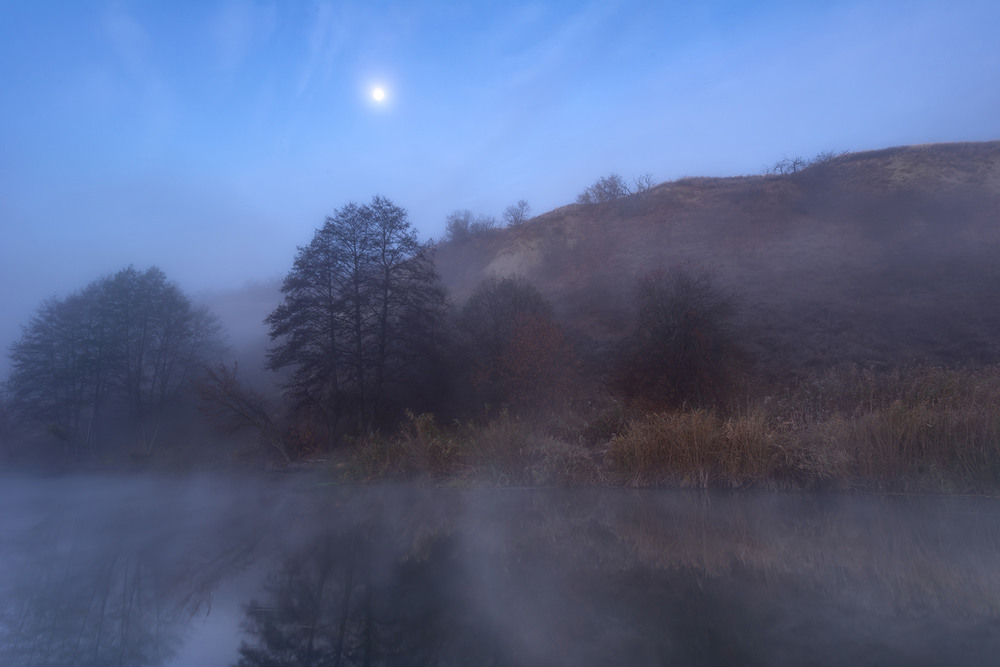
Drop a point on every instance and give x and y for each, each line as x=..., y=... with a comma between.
x=212, y=139
x=150, y=570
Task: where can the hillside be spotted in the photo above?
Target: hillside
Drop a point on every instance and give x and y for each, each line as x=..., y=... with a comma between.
x=886, y=256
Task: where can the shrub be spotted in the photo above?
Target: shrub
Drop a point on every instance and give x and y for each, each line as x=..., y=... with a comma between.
x=682, y=350
x=517, y=354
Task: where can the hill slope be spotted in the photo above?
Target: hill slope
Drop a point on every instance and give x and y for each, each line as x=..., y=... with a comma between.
x=884, y=256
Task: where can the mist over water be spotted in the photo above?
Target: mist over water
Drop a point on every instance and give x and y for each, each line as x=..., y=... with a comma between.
x=215, y=570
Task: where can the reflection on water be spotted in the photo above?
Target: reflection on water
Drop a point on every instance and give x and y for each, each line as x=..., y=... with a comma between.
x=100, y=571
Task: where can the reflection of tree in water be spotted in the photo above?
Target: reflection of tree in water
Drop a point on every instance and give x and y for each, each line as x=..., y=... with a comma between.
x=81, y=612
x=407, y=576
x=110, y=585
x=338, y=602
x=352, y=598
x=522, y=578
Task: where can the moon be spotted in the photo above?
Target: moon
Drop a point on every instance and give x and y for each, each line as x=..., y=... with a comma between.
x=378, y=93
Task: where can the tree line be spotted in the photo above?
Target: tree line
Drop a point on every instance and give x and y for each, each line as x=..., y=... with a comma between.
x=364, y=333
x=463, y=224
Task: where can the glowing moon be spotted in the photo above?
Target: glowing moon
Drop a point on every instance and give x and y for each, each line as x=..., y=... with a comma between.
x=378, y=94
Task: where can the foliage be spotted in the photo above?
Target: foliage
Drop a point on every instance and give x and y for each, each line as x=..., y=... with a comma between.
x=517, y=213
x=361, y=317
x=115, y=353
x=538, y=364
x=6, y=430
x=682, y=349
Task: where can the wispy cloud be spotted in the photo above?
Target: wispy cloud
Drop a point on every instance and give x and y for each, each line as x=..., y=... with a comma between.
x=327, y=32
x=142, y=84
x=238, y=28
x=573, y=36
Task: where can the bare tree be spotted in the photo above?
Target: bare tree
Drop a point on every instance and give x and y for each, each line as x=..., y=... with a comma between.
x=483, y=223
x=787, y=166
x=608, y=188
x=231, y=407
x=826, y=156
x=516, y=214
x=642, y=182
x=463, y=224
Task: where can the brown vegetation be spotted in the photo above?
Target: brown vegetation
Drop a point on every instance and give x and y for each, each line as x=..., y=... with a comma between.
x=681, y=350
x=926, y=430
x=876, y=257
x=840, y=327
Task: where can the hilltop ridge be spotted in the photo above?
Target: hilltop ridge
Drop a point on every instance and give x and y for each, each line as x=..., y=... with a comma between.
x=883, y=256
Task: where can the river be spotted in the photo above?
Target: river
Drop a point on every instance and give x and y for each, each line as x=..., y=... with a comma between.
x=223, y=570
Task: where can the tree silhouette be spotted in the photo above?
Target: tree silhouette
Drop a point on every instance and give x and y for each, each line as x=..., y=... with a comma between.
x=117, y=352
x=607, y=188
x=517, y=213
x=463, y=225
x=361, y=315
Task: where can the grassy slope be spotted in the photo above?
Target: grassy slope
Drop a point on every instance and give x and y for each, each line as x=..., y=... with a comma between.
x=883, y=256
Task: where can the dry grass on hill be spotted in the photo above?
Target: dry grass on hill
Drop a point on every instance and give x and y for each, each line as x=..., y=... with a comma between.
x=883, y=256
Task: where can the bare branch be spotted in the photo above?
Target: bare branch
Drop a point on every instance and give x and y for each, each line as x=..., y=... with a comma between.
x=232, y=407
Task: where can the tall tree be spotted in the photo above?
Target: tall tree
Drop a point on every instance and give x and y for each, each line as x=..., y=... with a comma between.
x=5, y=430
x=116, y=352
x=362, y=308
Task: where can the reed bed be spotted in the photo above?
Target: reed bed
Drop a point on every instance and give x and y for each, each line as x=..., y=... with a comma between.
x=927, y=429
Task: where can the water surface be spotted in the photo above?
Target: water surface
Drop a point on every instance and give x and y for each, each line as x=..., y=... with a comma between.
x=226, y=571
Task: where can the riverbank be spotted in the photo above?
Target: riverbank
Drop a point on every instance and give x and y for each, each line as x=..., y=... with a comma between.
x=925, y=430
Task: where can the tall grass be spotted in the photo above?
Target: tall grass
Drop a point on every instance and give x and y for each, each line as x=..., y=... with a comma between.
x=931, y=428
x=925, y=429
x=503, y=451
x=701, y=448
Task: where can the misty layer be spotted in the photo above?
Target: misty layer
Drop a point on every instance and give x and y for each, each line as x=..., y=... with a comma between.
x=830, y=323
x=138, y=571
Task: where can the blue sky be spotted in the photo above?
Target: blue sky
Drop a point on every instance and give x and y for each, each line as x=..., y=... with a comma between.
x=211, y=138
